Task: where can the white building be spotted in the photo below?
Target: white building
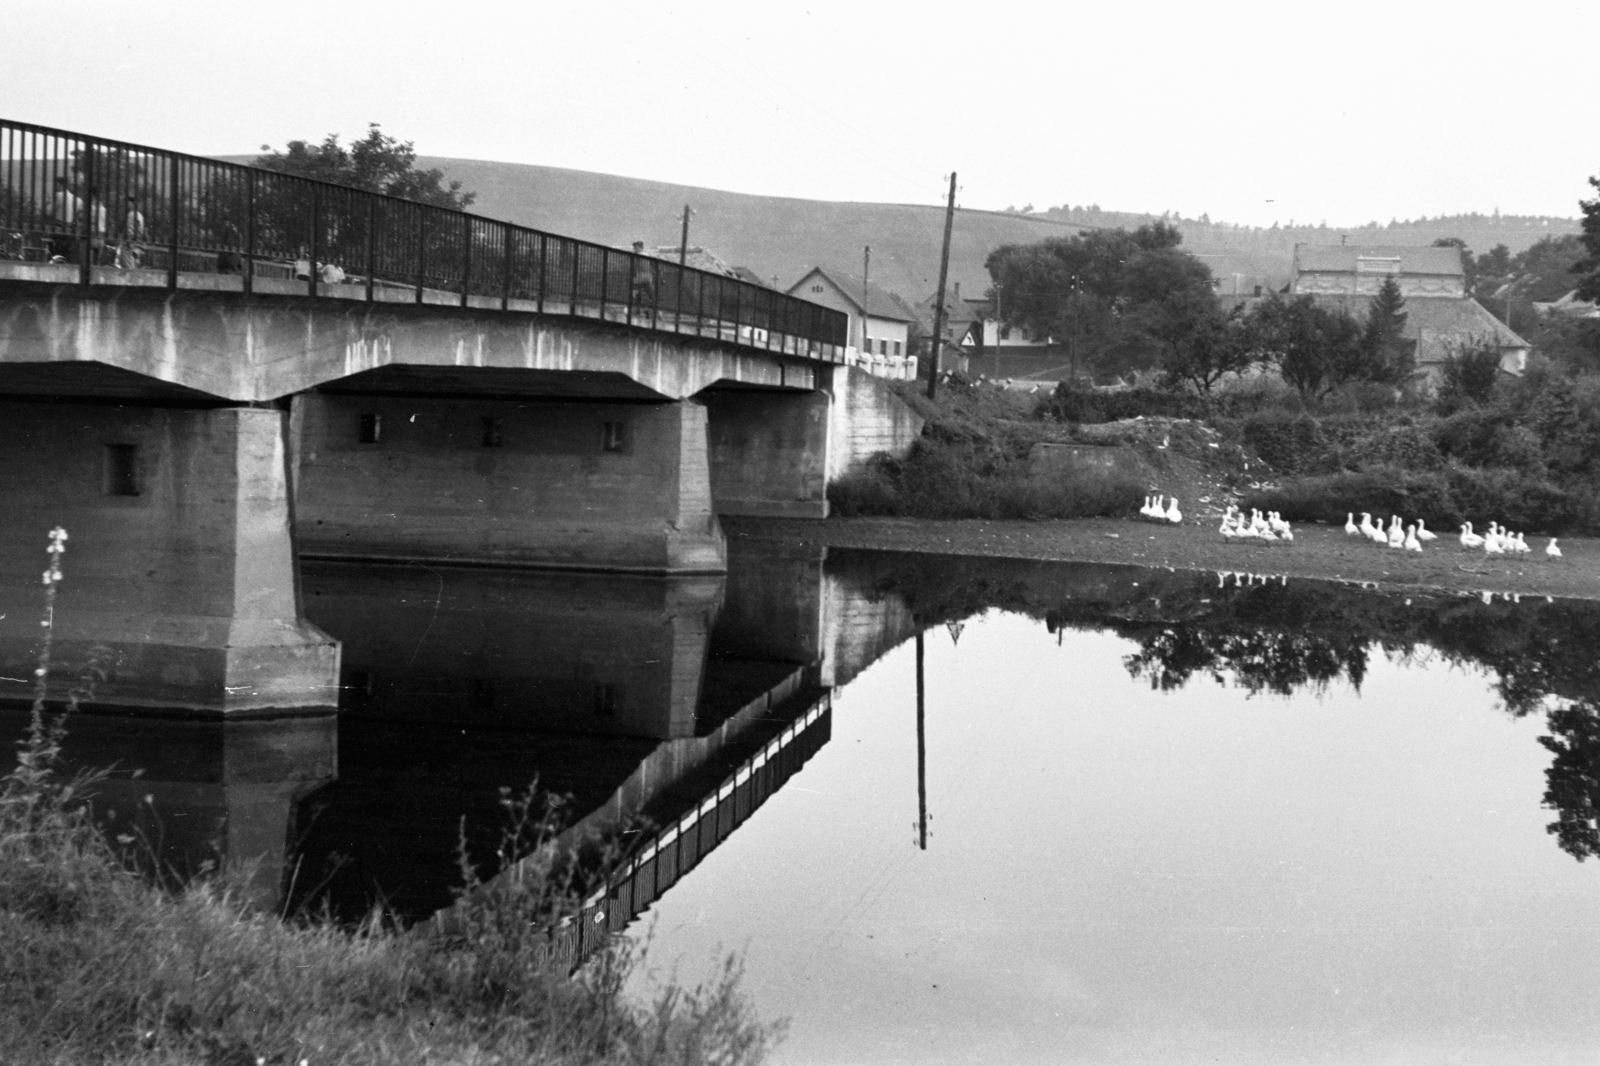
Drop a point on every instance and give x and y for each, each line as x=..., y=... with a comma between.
x=878, y=331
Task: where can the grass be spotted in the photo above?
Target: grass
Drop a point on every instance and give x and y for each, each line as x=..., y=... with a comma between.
x=101, y=965
x=973, y=460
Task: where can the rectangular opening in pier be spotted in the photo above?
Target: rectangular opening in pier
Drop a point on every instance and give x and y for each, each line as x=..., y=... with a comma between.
x=371, y=428
x=493, y=432
x=613, y=437
x=122, y=470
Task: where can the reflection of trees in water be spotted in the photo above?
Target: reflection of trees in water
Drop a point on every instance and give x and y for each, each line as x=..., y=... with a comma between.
x=1280, y=638
x=1572, y=783
x=1260, y=660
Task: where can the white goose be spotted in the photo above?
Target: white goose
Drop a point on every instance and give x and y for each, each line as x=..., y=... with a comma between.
x=1174, y=515
x=1350, y=527
x=1397, y=536
x=1411, y=541
x=1423, y=533
x=1551, y=551
x=1469, y=539
x=1491, y=542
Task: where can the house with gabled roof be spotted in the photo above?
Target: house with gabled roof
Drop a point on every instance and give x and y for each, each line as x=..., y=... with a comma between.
x=1440, y=317
x=880, y=321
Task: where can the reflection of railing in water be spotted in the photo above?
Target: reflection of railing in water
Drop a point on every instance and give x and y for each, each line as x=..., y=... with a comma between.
x=113, y=213
x=659, y=862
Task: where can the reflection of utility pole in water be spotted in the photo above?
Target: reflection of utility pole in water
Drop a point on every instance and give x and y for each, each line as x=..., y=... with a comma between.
x=922, y=758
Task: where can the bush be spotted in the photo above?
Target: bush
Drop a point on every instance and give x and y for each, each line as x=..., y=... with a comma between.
x=1444, y=498
x=1475, y=436
x=1077, y=403
x=956, y=478
x=1289, y=443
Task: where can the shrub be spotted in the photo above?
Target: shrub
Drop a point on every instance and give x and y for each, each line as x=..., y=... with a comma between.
x=1443, y=498
x=1289, y=443
x=1408, y=447
x=944, y=478
x=1077, y=403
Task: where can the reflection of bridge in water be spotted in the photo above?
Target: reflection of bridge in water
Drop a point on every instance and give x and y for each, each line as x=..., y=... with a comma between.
x=668, y=709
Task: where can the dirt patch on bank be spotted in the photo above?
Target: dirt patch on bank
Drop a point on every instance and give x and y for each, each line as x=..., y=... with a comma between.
x=1317, y=552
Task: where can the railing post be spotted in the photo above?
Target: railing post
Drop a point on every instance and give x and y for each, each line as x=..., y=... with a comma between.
x=422, y=247
x=677, y=311
x=86, y=258
x=633, y=264
x=466, y=261
x=700, y=305
x=544, y=250
x=173, y=201
x=655, y=291
x=249, y=232
x=372, y=241
x=505, y=273
x=572, y=297
x=605, y=279
x=316, y=238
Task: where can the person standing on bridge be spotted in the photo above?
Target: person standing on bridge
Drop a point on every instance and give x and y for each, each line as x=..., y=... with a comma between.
x=644, y=282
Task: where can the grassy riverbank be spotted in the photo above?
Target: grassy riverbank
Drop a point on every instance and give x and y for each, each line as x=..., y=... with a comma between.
x=974, y=460
x=100, y=965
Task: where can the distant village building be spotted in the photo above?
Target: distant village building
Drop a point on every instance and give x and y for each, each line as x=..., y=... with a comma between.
x=887, y=320
x=1440, y=317
x=1569, y=306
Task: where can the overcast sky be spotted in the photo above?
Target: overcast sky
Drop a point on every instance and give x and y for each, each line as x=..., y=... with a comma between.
x=1249, y=112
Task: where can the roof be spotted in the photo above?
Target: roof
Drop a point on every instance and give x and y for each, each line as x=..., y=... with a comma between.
x=697, y=258
x=1346, y=258
x=1437, y=324
x=744, y=273
x=881, y=303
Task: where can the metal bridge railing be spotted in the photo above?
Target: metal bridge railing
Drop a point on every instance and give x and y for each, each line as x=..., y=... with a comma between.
x=128, y=215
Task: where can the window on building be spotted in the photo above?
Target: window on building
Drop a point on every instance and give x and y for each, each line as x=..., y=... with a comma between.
x=371, y=428
x=1005, y=333
x=493, y=432
x=613, y=436
x=816, y=288
x=883, y=347
x=896, y=347
x=122, y=470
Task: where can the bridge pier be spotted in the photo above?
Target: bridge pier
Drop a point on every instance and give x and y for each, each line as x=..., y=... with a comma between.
x=180, y=567
x=598, y=485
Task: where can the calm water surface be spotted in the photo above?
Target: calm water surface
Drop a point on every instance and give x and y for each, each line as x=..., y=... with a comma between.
x=1137, y=817
x=1121, y=874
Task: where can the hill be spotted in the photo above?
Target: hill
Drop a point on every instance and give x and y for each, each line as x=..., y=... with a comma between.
x=782, y=238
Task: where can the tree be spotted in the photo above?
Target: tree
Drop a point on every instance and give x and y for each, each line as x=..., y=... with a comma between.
x=1212, y=347
x=377, y=163
x=1471, y=370
x=1588, y=268
x=1391, y=355
x=1573, y=779
x=1316, y=349
x=1469, y=265
x=1108, y=292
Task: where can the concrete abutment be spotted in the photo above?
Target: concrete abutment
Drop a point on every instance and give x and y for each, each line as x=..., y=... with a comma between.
x=179, y=590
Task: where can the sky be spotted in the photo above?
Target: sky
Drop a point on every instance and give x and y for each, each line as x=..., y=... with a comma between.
x=1246, y=112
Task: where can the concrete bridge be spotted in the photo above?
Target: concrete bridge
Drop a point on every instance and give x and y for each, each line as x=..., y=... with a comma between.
x=209, y=372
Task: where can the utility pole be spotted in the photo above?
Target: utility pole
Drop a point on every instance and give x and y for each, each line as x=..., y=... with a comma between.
x=944, y=271
x=866, y=274
x=683, y=242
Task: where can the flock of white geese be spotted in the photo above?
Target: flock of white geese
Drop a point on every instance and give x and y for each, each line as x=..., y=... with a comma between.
x=1497, y=541
x=1270, y=527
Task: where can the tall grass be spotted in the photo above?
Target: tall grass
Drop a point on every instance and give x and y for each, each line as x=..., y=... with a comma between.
x=100, y=965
